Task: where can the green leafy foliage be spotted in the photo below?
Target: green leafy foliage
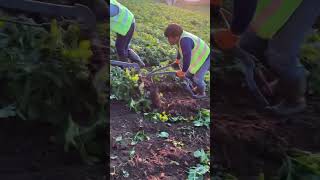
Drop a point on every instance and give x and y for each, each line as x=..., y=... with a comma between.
x=138, y=137
x=310, y=56
x=177, y=119
x=44, y=74
x=197, y=173
x=151, y=20
x=125, y=173
x=163, y=134
x=202, y=155
x=119, y=139
x=203, y=118
x=300, y=165
x=142, y=104
x=124, y=83
x=132, y=152
x=163, y=117
x=125, y=86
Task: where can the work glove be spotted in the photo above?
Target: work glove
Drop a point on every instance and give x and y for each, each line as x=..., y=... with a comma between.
x=175, y=65
x=180, y=74
x=225, y=39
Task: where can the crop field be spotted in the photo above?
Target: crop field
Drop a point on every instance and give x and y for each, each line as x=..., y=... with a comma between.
x=57, y=87
x=158, y=131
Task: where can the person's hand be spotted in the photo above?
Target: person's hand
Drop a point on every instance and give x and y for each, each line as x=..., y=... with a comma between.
x=177, y=61
x=225, y=39
x=180, y=74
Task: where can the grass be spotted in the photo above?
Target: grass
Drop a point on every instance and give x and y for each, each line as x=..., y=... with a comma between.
x=151, y=20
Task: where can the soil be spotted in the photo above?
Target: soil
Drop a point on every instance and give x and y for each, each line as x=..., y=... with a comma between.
x=157, y=158
x=171, y=97
x=247, y=140
x=29, y=151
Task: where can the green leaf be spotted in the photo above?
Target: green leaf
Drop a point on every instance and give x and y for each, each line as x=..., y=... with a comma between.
x=163, y=135
x=203, y=118
x=198, y=153
x=132, y=153
x=192, y=175
x=205, y=112
x=198, y=123
x=140, y=136
x=202, y=155
x=119, y=138
x=202, y=169
x=177, y=119
x=125, y=173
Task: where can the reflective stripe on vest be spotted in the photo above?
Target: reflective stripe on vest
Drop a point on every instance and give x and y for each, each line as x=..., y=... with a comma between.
x=121, y=23
x=199, y=53
x=271, y=15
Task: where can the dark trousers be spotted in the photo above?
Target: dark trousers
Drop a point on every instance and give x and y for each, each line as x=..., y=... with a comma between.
x=122, y=42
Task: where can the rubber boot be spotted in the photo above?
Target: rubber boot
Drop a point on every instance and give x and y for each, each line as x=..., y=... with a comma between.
x=124, y=59
x=294, y=98
x=134, y=57
x=200, y=91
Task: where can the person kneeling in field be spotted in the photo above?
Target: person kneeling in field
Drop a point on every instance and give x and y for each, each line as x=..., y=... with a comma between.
x=195, y=55
x=122, y=22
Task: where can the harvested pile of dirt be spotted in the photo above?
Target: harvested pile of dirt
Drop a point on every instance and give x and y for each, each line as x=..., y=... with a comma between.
x=169, y=96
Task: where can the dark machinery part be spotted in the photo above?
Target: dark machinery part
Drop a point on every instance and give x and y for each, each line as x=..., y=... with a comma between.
x=82, y=14
x=79, y=12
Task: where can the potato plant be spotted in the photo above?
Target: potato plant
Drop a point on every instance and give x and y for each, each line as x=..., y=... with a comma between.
x=44, y=77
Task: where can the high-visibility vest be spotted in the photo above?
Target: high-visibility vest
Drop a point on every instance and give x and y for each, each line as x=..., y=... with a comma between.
x=121, y=23
x=271, y=15
x=199, y=53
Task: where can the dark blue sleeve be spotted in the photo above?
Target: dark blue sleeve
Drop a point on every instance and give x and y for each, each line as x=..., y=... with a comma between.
x=114, y=10
x=186, y=47
x=243, y=12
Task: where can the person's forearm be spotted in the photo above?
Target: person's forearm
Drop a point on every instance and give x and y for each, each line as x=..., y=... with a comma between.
x=243, y=13
x=186, y=46
x=186, y=63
